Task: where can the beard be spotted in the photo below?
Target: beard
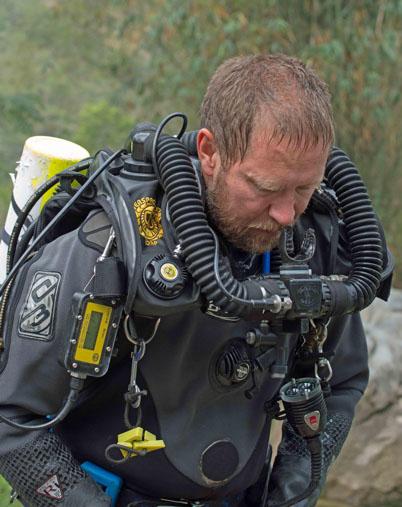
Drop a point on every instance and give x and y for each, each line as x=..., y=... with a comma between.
x=255, y=237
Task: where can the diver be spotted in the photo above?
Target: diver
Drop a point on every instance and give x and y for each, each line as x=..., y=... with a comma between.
x=149, y=336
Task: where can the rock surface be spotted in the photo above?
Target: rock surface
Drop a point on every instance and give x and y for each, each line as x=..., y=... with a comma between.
x=368, y=471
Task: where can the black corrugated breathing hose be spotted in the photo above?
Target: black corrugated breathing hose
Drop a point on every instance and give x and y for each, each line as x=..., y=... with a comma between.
x=190, y=222
x=361, y=227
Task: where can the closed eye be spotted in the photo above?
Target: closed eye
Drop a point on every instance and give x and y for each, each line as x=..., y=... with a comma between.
x=263, y=191
x=257, y=187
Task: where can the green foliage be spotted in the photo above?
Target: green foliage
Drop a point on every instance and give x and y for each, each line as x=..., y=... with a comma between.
x=5, y=495
x=88, y=71
x=100, y=124
x=5, y=192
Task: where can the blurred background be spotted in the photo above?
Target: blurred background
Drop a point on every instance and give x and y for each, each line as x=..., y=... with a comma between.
x=89, y=70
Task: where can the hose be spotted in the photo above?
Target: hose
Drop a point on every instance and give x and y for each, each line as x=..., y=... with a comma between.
x=189, y=139
x=33, y=199
x=57, y=218
x=359, y=216
x=76, y=385
x=361, y=227
x=24, y=241
x=21, y=219
x=190, y=222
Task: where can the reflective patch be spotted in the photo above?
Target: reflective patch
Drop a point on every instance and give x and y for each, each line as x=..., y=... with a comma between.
x=37, y=315
x=149, y=220
x=51, y=489
x=313, y=420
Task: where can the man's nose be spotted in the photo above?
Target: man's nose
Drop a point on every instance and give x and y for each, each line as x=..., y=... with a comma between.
x=282, y=210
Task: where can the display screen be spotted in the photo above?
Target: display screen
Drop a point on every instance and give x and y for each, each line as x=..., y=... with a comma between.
x=92, y=330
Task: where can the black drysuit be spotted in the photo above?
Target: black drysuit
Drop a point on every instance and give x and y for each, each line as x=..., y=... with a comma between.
x=216, y=437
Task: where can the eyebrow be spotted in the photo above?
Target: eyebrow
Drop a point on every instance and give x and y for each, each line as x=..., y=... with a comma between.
x=264, y=186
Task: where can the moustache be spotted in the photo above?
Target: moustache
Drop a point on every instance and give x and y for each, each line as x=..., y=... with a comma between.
x=266, y=227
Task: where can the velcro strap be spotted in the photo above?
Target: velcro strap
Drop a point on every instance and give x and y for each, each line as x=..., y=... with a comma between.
x=109, y=279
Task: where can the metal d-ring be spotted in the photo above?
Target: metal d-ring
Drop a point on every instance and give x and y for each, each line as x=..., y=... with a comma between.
x=323, y=363
x=134, y=339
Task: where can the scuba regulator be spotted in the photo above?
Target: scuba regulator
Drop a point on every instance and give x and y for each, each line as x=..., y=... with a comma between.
x=190, y=271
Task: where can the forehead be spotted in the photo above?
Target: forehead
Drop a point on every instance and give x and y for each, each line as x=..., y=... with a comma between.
x=267, y=156
x=285, y=149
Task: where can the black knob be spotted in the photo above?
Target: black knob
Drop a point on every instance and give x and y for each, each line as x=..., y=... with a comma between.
x=138, y=146
x=164, y=277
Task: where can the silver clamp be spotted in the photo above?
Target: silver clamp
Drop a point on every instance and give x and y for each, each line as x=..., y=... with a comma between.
x=323, y=365
x=322, y=368
x=133, y=388
x=134, y=393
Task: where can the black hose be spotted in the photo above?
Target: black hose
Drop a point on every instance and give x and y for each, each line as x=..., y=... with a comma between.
x=24, y=241
x=360, y=220
x=361, y=226
x=22, y=217
x=33, y=199
x=57, y=218
x=190, y=222
x=189, y=139
x=315, y=446
x=76, y=385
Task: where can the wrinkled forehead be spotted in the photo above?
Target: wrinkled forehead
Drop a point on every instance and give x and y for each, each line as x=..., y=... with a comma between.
x=289, y=126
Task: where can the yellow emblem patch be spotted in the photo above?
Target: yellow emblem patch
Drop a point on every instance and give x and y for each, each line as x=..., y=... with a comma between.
x=169, y=271
x=149, y=220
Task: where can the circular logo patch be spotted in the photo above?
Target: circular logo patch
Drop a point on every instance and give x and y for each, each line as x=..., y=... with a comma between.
x=149, y=220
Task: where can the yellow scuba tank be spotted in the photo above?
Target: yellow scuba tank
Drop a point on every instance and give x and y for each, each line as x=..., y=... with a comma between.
x=42, y=157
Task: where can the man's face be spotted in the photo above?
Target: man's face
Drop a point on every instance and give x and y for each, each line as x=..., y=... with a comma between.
x=252, y=200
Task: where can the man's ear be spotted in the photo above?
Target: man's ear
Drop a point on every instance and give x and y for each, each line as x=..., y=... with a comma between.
x=207, y=154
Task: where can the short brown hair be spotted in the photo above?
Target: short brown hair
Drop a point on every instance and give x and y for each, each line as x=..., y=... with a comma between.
x=246, y=88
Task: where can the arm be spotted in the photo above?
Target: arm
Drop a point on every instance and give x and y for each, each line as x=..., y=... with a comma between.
x=291, y=471
x=33, y=382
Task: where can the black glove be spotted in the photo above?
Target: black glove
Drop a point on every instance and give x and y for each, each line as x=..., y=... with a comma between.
x=291, y=472
x=45, y=474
